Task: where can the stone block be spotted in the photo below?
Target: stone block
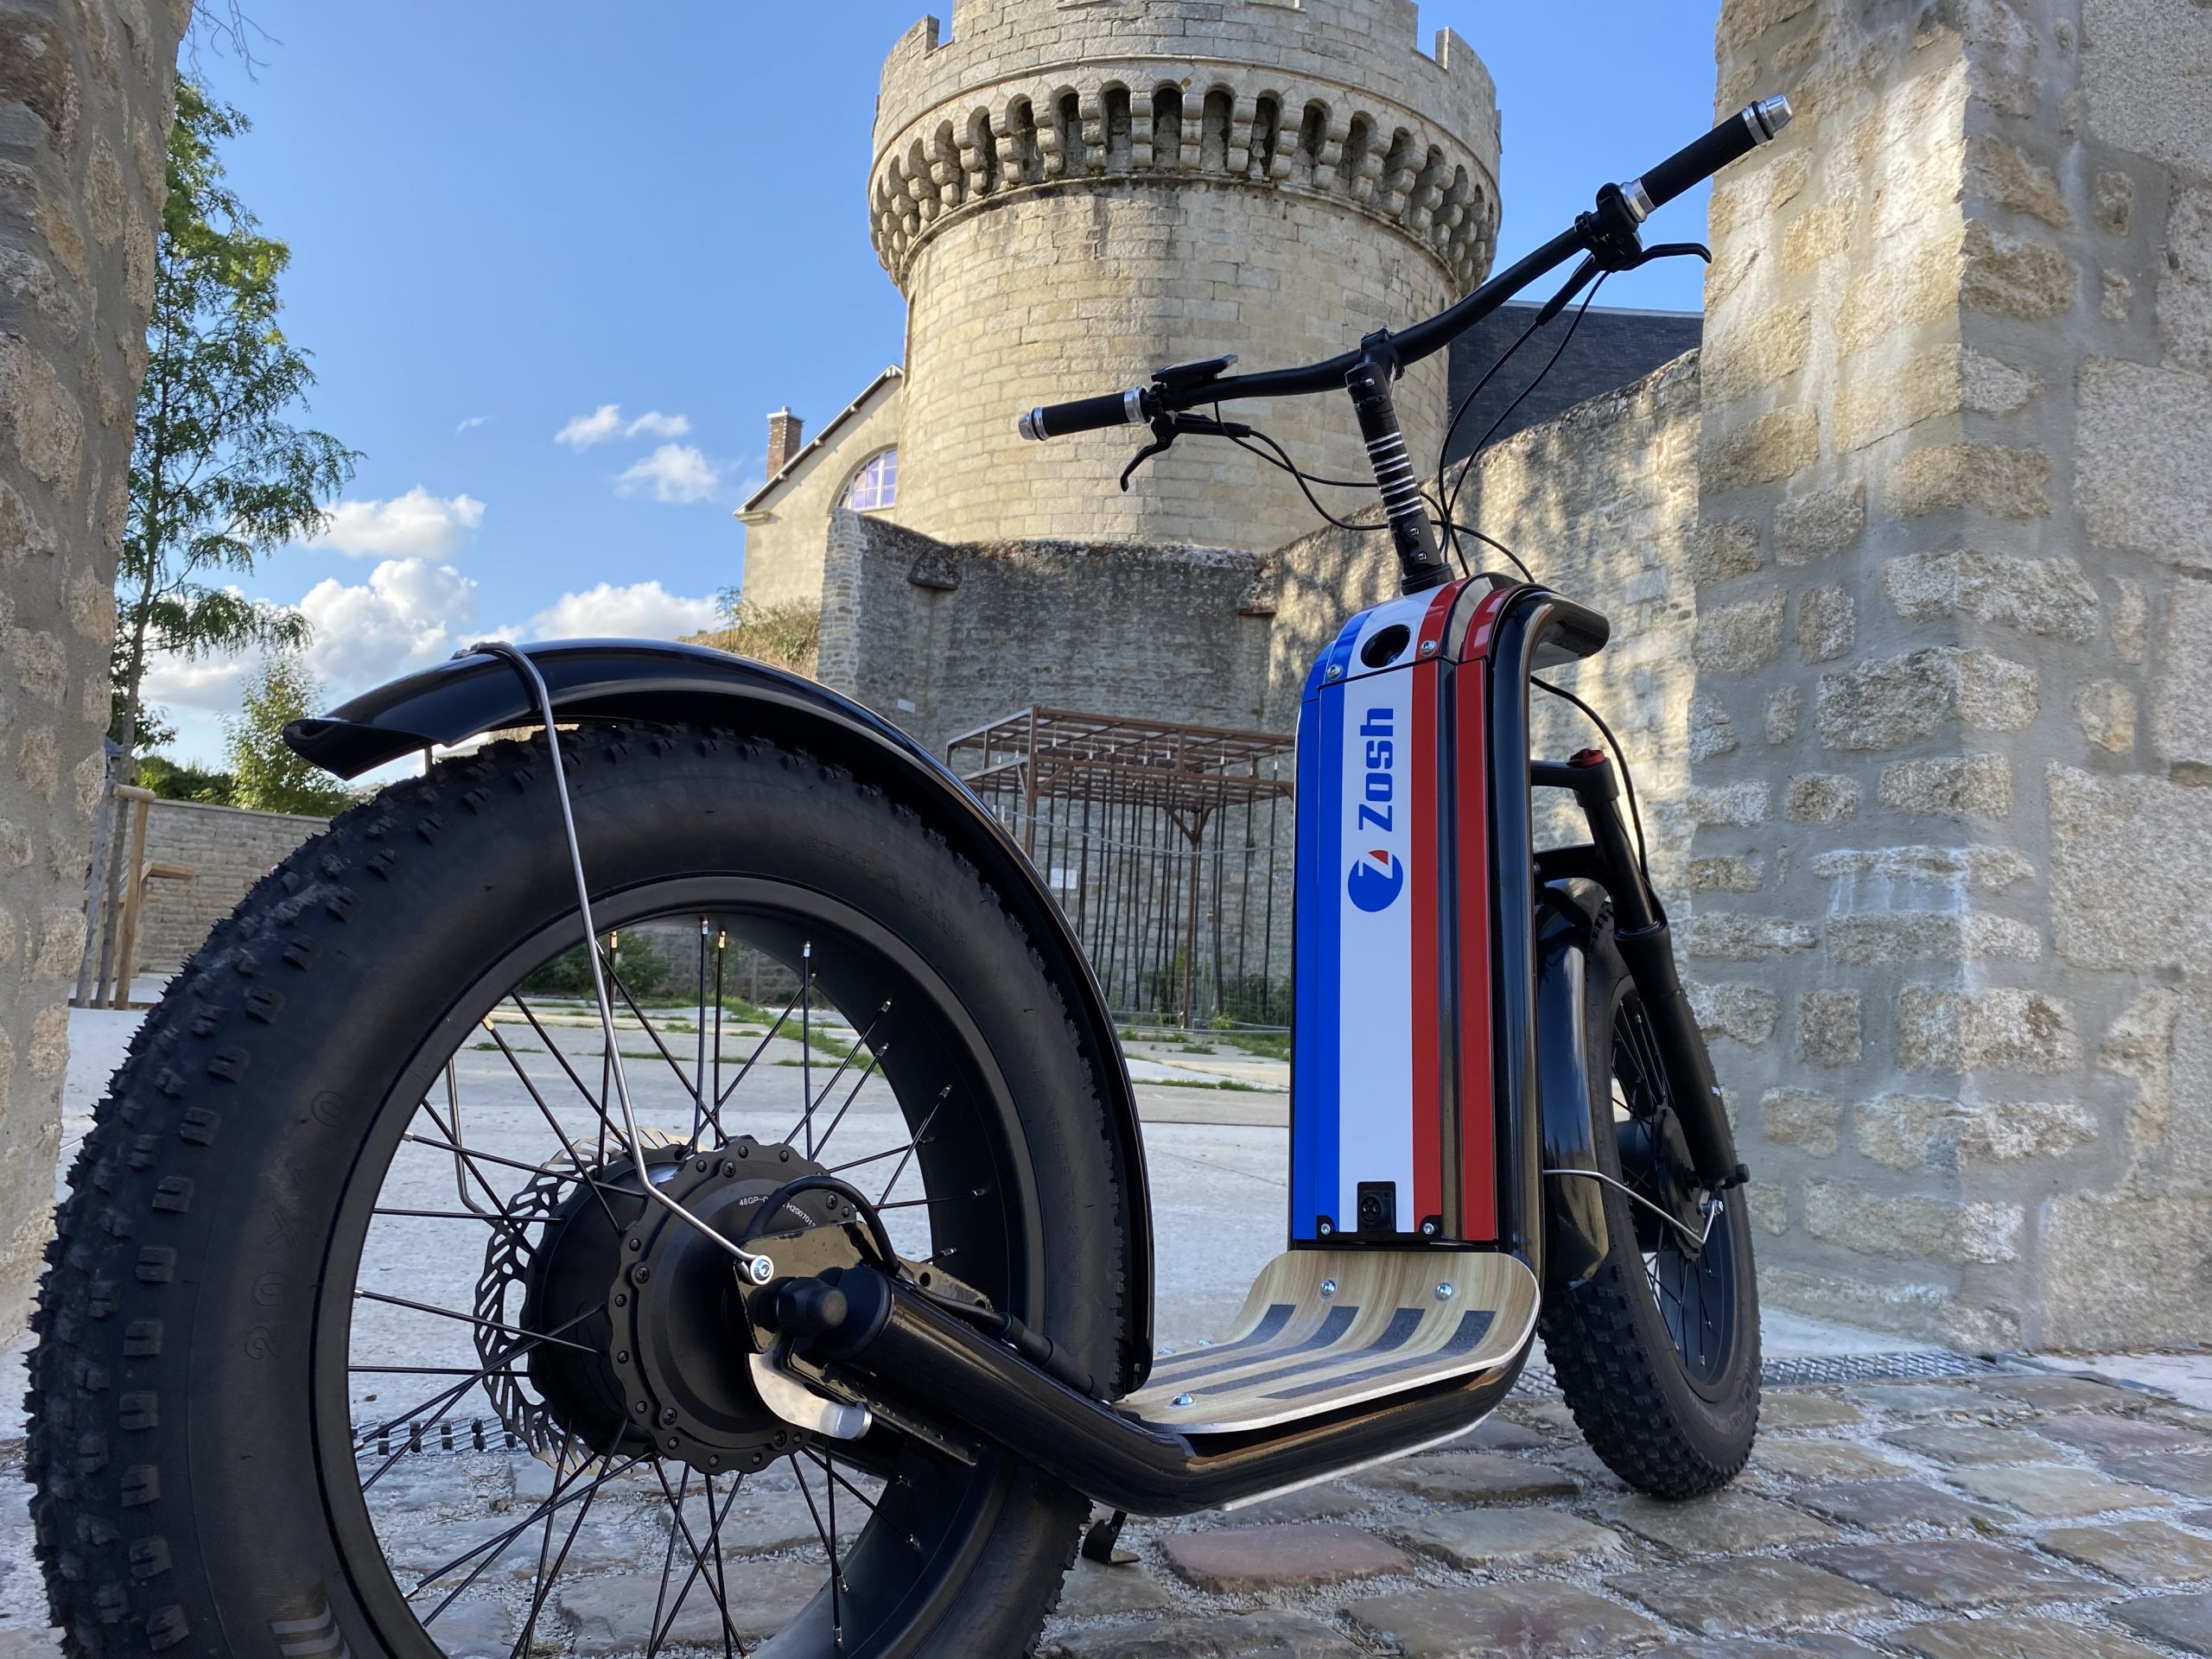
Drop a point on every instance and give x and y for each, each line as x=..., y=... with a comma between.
x=2056, y=1392
x=2106, y=709
x=1742, y=637
x=1818, y=233
x=2181, y=708
x=1886, y=702
x=1954, y=786
x=1826, y=623
x=1948, y=868
x=1807, y=527
x=2148, y=1553
x=2105, y=832
x=2051, y=1492
x=1741, y=357
x=1783, y=1410
x=1896, y=1505
x=1912, y=287
x=1822, y=797
x=1712, y=733
x=1930, y=936
x=1742, y=21
x=2005, y=483
x=2025, y=1638
x=1749, y=1595
x=2000, y=173
x=1744, y=1012
x=2015, y=277
x=1785, y=707
x=2116, y=296
x=2185, y=287
x=1742, y=806
x=1726, y=875
x=46, y=426
x=1944, y=1230
x=1486, y=1540
x=1974, y=1444
x=1801, y=1117
x=1259, y=1633
x=1724, y=550
x=2190, y=1478
x=2045, y=598
x=1829, y=1027
x=1726, y=1523
x=1769, y=1210
x=2141, y=483
x=1765, y=450
x=1091, y=1591
x=2127, y=1270
x=1532, y=1618
x=1916, y=1132
x=1241, y=1560
x=1956, y=1574
x=2185, y=1621
x=1948, y=379
x=1462, y=1477
x=1796, y=1462
x=609, y=1614
x=2114, y=205
x=2005, y=1027
x=1733, y=935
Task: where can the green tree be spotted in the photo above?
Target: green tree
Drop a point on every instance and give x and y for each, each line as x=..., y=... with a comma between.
x=264, y=772
x=219, y=475
x=172, y=782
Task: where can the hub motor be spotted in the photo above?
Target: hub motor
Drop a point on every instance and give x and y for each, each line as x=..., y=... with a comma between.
x=651, y=1331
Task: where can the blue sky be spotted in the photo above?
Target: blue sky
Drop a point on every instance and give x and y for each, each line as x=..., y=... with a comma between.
x=499, y=233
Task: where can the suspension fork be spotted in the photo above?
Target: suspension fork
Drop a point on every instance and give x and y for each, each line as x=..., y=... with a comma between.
x=1420, y=567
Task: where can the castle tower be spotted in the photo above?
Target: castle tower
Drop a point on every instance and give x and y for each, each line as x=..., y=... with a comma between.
x=1072, y=192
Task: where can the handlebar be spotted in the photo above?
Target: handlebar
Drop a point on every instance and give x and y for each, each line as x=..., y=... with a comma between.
x=1621, y=209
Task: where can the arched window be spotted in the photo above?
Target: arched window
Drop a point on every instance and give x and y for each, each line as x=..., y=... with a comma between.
x=876, y=483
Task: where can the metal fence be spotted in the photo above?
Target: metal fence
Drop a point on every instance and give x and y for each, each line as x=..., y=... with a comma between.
x=1168, y=847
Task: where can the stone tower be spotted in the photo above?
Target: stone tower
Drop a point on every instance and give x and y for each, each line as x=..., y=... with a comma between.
x=1072, y=193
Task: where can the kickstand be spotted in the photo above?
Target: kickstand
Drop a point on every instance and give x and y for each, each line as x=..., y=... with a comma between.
x=1102, y=1541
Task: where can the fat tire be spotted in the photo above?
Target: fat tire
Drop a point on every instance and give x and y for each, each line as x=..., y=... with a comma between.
x=1607, y=1344
x=150, y=1322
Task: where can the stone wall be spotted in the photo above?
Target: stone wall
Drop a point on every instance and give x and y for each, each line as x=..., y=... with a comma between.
x=1072, y=197
x=228, y=849
x=1953, y=933
x=86, y=94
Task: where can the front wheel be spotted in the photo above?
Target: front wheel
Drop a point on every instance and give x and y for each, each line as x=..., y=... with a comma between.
x=1657, y=1352
x=361, y=1335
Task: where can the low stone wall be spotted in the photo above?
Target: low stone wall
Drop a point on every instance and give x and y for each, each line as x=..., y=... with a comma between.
x=228, y=849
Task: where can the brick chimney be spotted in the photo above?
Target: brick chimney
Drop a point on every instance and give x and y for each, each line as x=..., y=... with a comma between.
x=784, y=430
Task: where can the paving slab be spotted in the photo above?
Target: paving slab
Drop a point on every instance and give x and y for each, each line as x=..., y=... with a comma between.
x=2185, y=1621
x=1820, y=1460
x=1533, y=1619
x=1784, y=1410
x=1265, y=1633
x=1725, y=1523
x=1894, y=1505
x=1974, y=1443
x=1332, y=1501
x=1239, y=1561
x=1472, y=1478
x=1750, y=1595
x=1499, y=1434
x=2191, y=1477
x=2147, y=1554
x=2047, y=1393
x=2015, y=1638
x=1091, y=1591
x=611, y=1614
x=1954, y=1574
x=2120, y=1437
x=2054, y=1491
x=1549, y=1417
x=1478, y=1540
x=1811, y=1644
x=1918, y=1400
x=482, y=1630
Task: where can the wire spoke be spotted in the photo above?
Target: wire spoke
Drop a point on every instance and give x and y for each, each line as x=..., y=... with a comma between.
x=770, y=1036
x=496, y=1363
x=470, y=1318
x=875, y=1060
x=691, y=1086
x=498, y=1546
x=545, y=1111
x=828, y=1537
x=921, y=1134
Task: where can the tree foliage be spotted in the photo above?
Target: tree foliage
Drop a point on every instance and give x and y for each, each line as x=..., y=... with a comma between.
x=219, y=475
x=173, y=782
x=784, y=636
x=265, y=774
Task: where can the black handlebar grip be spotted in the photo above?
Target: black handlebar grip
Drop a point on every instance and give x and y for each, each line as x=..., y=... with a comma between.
x=1085, y=414
x=1734, y=138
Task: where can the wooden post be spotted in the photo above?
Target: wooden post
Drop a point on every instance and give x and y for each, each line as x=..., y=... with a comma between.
x=139, y=803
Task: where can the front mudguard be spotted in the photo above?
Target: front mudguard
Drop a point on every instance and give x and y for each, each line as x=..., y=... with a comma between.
x=1576, y=1239
x=652, y=680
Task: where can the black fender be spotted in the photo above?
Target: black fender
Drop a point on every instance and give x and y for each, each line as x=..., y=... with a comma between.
x=1575, y=1235
x=653, y=680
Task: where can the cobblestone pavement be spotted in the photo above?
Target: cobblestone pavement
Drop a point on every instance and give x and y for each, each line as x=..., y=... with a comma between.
x=2002, y=1515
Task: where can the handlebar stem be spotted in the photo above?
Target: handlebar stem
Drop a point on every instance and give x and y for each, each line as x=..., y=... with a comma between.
x=1420, y=568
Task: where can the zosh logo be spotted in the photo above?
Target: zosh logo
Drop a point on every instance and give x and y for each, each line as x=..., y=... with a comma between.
x=1379, y=876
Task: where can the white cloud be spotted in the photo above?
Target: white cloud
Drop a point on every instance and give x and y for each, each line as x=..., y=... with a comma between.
x=409, y=613
x=675, y=473
x=470, y=424
x=654, y=424
x=644, y=610
x=415, y=525
x=210, y=684
x=584, y=430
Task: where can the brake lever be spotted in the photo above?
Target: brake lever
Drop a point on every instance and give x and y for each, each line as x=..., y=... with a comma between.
x=1165, y=428
x=1163, y=439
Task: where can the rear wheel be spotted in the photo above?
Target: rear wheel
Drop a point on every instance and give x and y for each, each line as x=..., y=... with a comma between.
x=1657, y=1352
x=360, y=1331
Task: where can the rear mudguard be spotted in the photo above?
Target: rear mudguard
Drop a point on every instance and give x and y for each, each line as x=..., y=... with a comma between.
x=1575, y=1236
x=634, y=679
